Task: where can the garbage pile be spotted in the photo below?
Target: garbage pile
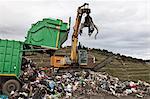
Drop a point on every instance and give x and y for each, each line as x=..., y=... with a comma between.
x=37, y=85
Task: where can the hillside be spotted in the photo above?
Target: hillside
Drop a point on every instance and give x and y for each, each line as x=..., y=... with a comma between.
x=123, y=67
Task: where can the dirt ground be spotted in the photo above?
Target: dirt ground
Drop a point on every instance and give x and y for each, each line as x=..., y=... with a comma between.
x=110, y=97
x=104, y=95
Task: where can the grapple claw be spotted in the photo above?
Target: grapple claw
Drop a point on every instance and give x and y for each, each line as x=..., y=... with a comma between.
x=91, y=26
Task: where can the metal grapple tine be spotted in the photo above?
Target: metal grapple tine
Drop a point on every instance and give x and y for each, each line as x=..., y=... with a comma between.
x=91, y=26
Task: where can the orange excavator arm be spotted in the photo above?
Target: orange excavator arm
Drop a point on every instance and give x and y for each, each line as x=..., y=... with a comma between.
x=81, y=10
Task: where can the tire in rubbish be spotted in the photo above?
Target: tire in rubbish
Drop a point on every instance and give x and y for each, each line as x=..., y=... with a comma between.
x=10, y=85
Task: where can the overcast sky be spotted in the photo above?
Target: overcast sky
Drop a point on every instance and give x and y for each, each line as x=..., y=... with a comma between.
x=124, y=25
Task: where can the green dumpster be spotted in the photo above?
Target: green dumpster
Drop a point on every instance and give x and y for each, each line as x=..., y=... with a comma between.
x=10, y=65
x=51, y=33
x=10, y=57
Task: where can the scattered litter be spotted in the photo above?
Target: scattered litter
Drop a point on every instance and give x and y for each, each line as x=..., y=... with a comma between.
x=37, y=85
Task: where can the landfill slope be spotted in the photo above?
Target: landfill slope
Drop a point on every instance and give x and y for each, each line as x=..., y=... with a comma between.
x=76, y=85
x=41, y=59
x=133, y=69
x=84, y=84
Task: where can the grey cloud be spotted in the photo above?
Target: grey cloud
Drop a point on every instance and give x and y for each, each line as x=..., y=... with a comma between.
x=123, y=24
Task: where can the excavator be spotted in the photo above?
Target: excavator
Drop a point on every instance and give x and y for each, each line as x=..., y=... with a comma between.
x=77, y=57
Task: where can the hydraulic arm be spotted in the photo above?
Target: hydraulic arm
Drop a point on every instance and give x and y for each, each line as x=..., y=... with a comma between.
x=87, y=23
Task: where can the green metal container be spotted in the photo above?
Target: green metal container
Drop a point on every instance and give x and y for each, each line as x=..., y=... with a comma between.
x=10, y=57
x=51, y=33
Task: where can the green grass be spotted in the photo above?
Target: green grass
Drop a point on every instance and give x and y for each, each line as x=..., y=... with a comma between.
x=132, y=70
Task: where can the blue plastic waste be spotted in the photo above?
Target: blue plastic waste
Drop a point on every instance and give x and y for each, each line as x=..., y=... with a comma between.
x=3, y=97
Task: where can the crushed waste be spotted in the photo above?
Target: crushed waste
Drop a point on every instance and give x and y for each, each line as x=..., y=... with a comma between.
x=38, y=85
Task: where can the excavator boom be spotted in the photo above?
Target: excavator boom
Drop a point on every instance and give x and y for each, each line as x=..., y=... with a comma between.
x=88, y=23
